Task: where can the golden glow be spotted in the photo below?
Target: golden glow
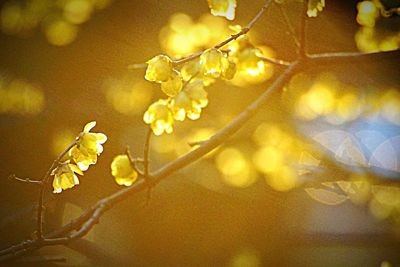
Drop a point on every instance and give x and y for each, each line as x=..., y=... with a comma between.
x=61, y=140
x=20, y=97
x=61, y=32
x=268, y=159
x=128, y=96
x=390, y=106
x=182, y=36
x=78, y=11
x=283, y=180
x=234, y=167
x=246, y=258
x=58, y=18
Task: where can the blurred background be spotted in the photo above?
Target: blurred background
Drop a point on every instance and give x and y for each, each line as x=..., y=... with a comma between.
x=312, y=180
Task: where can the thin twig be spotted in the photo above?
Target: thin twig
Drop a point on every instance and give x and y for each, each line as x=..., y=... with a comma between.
x=275, y=61
x=133, y=160
x=288, y=24
x=44, y=182
x=146, y=150
x=24, y=180
x=303, y=31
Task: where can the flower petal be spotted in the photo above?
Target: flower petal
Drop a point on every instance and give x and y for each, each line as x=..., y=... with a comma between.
x=89, y=126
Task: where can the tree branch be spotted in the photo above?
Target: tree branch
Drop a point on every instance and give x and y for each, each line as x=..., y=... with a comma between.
x=44, y=183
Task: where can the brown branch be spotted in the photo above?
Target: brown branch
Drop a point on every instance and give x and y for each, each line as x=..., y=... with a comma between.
x=44, y=183
x=82, y=225
x=85, y=222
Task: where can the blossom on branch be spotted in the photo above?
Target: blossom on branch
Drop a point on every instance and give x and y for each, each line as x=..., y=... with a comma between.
x=65, y=177
x=159, y=69
x=190, y=101
x=160, y=117
x=122, y=170
x=88, y=147
x=213, y=62
x=173, y=85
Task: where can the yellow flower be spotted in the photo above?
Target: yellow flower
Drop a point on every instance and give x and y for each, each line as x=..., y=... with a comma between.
x=224, y=8
x=190, y=101
x=123, y=171
x=172, y=86
x=214, y=62
x=159, y=69
x=65, y=177
x=88, y=147
x=315, y=6
x=250, y=64
x=230, y=71
x=160, y=117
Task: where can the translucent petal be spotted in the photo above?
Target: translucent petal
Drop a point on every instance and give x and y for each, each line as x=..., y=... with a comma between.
x=89, y=126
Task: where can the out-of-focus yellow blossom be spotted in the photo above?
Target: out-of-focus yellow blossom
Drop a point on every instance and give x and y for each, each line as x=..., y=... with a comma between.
x=60, y=32
x=230, y=71
x=160, y=117
x=315, y=6
x=250, y=65
x=224, y=8
x=190, y=101
x=367, y=13
x=174, y=85
x=214, y=62
x=65, y=177
x=122, y=170
x=159, y=69
x=88, y=147
x=191, y=69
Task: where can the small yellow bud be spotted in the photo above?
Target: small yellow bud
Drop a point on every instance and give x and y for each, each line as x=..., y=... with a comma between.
x=159, y=69
x=250, y=65
x=172, y=86
x=123, y=171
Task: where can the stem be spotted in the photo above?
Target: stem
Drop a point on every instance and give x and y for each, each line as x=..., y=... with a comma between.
x=44, y=182
x=288, y=24
x=146, y=153
x=303, y=32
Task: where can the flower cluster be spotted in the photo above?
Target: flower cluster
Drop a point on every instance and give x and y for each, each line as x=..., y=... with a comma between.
x=185, y=86
x=84, y=153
